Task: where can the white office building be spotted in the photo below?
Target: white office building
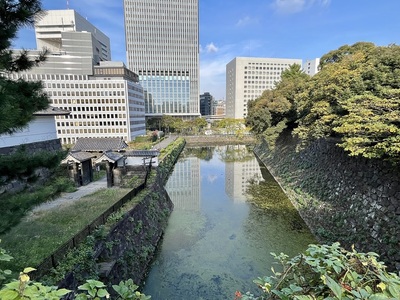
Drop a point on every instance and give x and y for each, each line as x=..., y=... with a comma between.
x=104, y=97
x=50, y=28
x=162, y=44
x=248, y=77
x=310, y=66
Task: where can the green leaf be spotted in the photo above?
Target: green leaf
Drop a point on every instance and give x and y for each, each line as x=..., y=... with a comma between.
x=8, y=295
x=378, y=297
x=102, y=293
x=62, y=292
x=29, y=269
x=334, y=286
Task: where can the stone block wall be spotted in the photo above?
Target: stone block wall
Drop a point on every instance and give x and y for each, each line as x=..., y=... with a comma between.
x=347, y=199
x=50, y=145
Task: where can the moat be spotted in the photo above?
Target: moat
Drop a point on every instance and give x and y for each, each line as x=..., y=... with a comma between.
x=229, y=214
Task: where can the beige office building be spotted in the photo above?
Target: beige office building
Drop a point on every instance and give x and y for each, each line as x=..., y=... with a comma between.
x=104, y=97
x=248, y=77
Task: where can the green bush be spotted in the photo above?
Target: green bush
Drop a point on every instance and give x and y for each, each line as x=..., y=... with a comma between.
x=22, y=164
x=328, y=272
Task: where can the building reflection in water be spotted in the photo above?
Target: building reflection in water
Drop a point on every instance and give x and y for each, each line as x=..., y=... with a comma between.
x=241, y=169
x=183, y=185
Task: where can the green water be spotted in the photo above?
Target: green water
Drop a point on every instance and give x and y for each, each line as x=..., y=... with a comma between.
x=216, y=241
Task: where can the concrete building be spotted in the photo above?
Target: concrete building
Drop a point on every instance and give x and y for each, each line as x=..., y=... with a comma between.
x=50, y=28
x=240, y=173
x=105, y=98
x=206, y=104
x=248, y=77
x=162, y=44
x=219, y=108
x=183, y=186
x=310, y=66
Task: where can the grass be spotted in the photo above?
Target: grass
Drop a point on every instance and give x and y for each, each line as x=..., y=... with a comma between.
x=14, y=207
x=41, y=233
x=141, y=143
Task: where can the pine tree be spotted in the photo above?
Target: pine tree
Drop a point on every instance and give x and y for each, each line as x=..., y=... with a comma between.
x=19, y=99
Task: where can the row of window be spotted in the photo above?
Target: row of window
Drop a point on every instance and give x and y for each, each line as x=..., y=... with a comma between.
x=86, y=93
x=92, y=130
x=91, y=123
x=93, y=116
x=89, y=101
x=85, y=85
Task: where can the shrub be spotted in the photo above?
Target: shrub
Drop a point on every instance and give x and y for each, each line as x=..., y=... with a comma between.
x=328, y=272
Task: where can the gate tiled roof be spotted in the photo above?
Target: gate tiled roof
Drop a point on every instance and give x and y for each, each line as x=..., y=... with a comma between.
x=99, y=144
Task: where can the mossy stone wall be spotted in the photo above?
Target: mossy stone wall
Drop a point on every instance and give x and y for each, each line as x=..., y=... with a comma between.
x=347, y=199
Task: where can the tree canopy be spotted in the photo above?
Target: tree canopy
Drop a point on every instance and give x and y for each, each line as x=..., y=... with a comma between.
x=19, y=99
x=355, y=97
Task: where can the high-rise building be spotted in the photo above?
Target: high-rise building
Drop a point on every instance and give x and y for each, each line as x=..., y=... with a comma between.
x=248, y=77
x=104, y=97
x=50, y=28
x=206, y=104
x=162, y=44
x=310, y=66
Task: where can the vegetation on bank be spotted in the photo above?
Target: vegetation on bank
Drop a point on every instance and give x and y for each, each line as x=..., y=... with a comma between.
x=200, y=126
x=355, y=98
x=328, y=272
x=42, y=232
x=14, y=207
x=83, y=255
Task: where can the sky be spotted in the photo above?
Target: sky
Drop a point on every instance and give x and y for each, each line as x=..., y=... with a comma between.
x=303, y=29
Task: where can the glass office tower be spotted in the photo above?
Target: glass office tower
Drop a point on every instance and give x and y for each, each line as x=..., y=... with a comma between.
x=162, y=44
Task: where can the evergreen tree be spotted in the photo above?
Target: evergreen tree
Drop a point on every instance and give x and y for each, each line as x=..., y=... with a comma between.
x=19, y=99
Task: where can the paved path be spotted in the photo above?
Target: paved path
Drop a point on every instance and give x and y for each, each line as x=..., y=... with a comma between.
x=165, y=142
x=67, y=198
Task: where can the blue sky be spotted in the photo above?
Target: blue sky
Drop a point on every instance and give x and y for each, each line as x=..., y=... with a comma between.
x=303, y=29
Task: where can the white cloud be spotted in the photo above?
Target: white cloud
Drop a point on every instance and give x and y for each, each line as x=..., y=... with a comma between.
x=213, y=67
x=295, y=6
x=211, y=48
x=246, y=21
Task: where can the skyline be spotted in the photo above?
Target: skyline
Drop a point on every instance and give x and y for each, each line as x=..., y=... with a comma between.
x=300, y=29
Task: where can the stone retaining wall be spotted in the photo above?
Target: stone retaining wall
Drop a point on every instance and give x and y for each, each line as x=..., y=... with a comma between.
x=42, y=174
x=341, y=198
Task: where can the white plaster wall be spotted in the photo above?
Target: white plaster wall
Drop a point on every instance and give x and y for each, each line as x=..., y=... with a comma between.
x=42, y=128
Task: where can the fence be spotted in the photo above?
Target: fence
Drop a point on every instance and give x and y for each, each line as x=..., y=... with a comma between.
x=53, y=260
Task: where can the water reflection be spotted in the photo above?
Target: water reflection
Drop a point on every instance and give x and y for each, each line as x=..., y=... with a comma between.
x=216, y=242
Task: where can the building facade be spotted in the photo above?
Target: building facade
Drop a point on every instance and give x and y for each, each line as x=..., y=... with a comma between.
x=310, y=66
x=248, y=77
x=49, y=30
x=206, y=104
x=162, y=44
x=104, y=97
x=219, y=108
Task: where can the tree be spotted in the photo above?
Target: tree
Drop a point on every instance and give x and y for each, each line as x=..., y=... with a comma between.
x=167, y=123
x=371, y=128
x=18, y=99
x=199, y=124
x=275, y=110
x=355, y=98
